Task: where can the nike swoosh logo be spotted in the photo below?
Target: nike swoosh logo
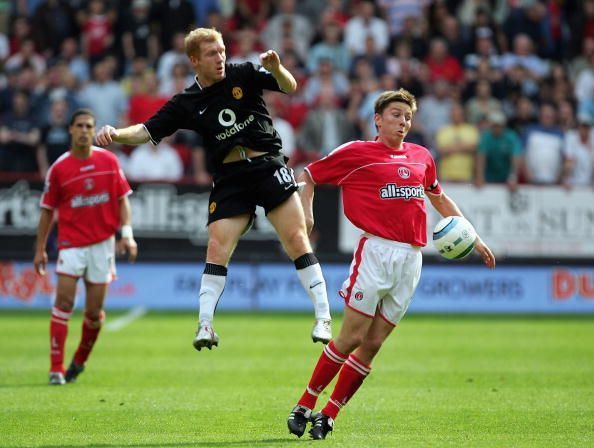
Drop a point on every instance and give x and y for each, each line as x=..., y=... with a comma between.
x=314, y=285
x=203, y=110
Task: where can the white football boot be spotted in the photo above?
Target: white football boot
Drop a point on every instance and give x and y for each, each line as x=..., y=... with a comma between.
x=205, y=337
x=56, y=379
x=322, y=331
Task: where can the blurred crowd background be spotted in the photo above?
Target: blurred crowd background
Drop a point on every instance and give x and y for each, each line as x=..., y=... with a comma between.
x=505, y=88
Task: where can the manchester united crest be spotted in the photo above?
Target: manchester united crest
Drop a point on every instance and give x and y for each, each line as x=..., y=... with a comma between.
x=237, y=93
x=212, y=207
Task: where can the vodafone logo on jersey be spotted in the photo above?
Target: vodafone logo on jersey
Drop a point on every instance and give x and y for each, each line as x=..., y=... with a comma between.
x=228, y=119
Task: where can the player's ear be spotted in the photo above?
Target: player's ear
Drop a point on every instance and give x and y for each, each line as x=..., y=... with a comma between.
x=377, y=118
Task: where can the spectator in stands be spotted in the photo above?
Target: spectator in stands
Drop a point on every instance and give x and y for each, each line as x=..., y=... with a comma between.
x=332, y=48
x=54, y=86
x=484, y=50
x=376, y=60
x=104, y=96
x=364, y=23
x=26, y=57
x=397, y=11
x=53, y=21
x=20, y=30
x=247, y=50
x=137, y=36
x=567, y=118
x=19, y=136
x=578, y=151
x=97, y=35
x=584, y=87
x=482, y=103
x=147, y=100
x=325, y=76
x=326, y=127
x=180, y=78
x=543, y=145
x=174, y=17
x=524, y=115
x=287, y=23
x=159, y=162
x=523, y=56
x=54, y=137
x=441, y=64
x=434, y=110
x=450, y=31
x=499, y=153
x=456, y=144
x=77, y=65
x=175, y=55
x=401, y=57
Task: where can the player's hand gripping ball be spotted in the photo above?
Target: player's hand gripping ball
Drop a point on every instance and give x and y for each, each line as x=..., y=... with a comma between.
x=454, y=237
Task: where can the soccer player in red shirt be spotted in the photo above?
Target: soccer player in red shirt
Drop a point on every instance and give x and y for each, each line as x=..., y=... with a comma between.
x=383, y=185
x=88, y=190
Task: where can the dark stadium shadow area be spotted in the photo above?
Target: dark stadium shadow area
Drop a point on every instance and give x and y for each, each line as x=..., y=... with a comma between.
x=263, y=442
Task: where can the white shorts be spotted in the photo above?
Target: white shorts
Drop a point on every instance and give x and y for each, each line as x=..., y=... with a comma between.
x=383, y=277
x=96, y=263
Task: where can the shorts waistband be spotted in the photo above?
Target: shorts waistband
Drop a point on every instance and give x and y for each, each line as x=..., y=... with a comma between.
x=391, y=242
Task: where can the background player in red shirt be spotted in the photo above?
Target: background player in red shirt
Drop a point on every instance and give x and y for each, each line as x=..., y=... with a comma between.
x=88, y=190
x=383, y=185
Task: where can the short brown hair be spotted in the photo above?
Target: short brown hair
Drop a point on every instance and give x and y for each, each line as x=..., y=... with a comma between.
x=399, y=96
x=194, y=39
x=79, y=112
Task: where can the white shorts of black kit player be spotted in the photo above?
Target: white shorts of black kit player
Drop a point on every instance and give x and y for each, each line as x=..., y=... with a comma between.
x=383, y=277
x=95, y=263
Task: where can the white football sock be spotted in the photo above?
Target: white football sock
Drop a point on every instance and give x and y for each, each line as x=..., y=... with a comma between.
x=314, y=284
x=211, y=289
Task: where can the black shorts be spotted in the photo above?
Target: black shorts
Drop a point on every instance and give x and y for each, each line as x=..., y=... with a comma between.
x=240, y=186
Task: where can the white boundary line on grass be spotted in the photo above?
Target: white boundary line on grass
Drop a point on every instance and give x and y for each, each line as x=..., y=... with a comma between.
x=120, y=322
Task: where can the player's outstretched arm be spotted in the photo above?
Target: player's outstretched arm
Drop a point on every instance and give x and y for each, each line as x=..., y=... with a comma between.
x=447, y=207
x=132, y=135
x=270, y=60
x=43, y=229
x=306, y=196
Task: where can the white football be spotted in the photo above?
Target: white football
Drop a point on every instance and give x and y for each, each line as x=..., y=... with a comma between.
x=454, y=237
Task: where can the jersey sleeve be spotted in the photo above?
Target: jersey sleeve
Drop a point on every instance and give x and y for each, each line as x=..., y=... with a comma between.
x=122, y=185
x=50, y=198
x=432, y=185
x=335, y=167
x=165, y=121
x=262, y=78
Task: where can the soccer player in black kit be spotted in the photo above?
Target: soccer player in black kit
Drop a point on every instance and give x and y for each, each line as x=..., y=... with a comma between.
x=243, y=154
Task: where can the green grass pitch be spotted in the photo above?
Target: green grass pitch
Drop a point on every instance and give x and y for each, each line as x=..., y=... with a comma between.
x=455, y=381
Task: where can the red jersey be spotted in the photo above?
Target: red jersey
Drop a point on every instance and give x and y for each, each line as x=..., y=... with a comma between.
x=383, y=189
x=86, y=193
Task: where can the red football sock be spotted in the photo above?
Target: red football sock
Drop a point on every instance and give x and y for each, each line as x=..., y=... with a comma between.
x=330, y=362
x=90, y=332
x=58, y=333
x=350, y=379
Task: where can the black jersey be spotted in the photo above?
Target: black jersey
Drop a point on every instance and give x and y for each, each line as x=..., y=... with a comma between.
x=228, y=113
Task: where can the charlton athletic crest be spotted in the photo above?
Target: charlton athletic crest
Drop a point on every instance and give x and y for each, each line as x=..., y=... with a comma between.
x=404, y=172
x=359, y=296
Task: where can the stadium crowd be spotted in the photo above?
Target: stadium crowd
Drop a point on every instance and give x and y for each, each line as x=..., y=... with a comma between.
x=505, y=87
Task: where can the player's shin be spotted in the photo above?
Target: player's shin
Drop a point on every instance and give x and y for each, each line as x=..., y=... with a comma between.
x=58, y=334
x=312, y=280
x=90, y=332
x=350, y=379
x=329, y=363
x=211, y=288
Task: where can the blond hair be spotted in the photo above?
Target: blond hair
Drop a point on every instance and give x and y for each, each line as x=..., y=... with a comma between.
x=391, y=96
x=194, y=39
